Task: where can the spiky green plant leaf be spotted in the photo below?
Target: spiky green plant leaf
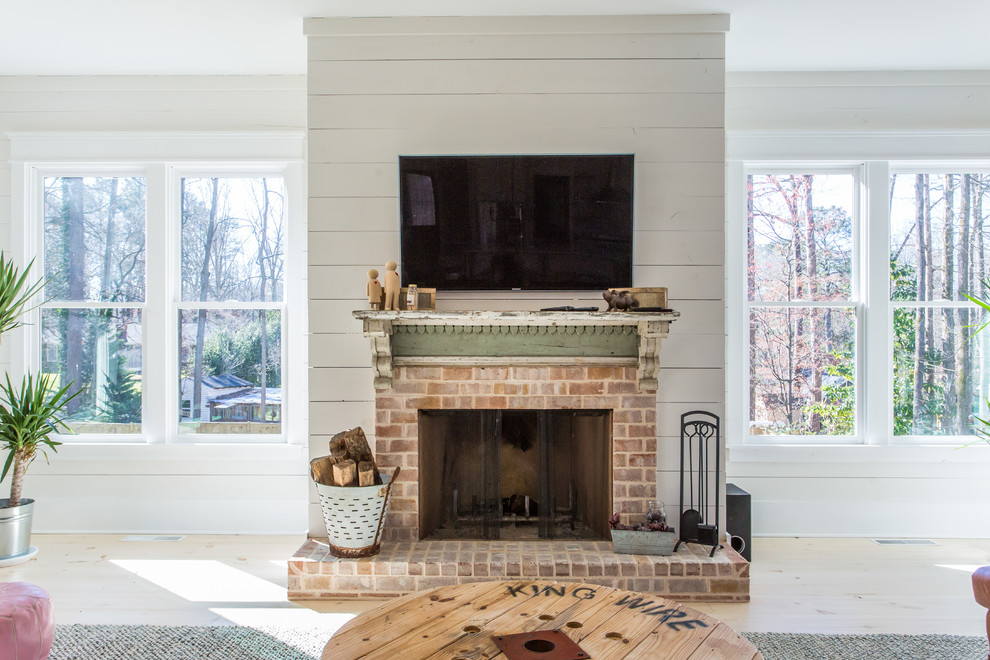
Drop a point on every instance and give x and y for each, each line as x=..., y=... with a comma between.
x=15, y=292
x=29, y=415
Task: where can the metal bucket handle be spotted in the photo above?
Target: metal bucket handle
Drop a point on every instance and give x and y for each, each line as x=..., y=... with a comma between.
x=388, y=493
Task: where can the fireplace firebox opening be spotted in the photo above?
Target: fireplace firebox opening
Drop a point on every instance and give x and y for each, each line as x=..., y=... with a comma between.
x=515, y=474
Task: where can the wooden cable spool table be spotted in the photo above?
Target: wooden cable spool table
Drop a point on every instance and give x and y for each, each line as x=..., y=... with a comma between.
x=529, y=619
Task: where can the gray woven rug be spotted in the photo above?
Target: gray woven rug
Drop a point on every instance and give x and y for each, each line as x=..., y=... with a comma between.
x=796, y=646
x=84, y=642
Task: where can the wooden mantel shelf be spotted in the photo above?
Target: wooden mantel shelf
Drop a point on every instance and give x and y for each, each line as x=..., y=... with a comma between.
x=489, y=337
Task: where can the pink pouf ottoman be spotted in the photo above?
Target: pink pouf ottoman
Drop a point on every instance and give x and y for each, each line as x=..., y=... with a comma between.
x=27, y=623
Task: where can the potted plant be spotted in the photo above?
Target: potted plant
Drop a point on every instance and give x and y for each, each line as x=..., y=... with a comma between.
x=28, y=417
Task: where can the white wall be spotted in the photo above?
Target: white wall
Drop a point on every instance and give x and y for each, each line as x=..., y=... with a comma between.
x=652, y=86
x=934, y=491
x=676, y=133
x=157, y=488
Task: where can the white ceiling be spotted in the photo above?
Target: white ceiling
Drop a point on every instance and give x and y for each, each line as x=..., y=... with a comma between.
x=265, y=36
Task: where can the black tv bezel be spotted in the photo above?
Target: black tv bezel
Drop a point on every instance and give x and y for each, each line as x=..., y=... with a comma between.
x=632, y=218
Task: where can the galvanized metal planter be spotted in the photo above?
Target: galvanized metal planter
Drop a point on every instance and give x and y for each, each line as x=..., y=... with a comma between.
x=354, y=516
x=628, y=542
x=15, y=529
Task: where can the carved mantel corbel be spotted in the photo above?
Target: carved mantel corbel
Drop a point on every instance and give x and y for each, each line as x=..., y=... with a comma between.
x=651, y=334
x=379, y=331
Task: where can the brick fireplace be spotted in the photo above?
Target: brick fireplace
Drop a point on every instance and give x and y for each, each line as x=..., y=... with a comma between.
x=515, y=361
x=516, y=387
x=535, y=361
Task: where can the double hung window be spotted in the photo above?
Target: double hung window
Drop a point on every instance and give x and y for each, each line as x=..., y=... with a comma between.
x=858, y=328
x=165, y=296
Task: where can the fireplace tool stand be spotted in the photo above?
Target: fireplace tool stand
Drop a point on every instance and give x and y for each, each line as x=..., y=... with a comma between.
x=699, y=431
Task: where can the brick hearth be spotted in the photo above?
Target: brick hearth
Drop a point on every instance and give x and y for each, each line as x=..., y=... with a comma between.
x=407, y=566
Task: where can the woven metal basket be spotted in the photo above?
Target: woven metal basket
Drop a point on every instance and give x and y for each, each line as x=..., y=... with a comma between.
x=354, y=516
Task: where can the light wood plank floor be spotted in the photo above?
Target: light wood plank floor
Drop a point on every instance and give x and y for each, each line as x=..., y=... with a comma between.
x=798, y=585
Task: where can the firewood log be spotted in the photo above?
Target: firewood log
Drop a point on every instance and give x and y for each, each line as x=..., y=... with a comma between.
x=345, y=473
x=366, y=474
x=321, y=469
x=354, y=445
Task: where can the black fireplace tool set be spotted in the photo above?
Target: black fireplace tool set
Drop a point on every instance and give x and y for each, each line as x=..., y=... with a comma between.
x=699, y=431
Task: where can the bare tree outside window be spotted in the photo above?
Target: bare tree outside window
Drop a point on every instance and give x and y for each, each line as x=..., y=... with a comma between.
x=799, y=289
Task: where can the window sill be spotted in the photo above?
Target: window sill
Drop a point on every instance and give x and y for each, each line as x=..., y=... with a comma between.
x=948, y=453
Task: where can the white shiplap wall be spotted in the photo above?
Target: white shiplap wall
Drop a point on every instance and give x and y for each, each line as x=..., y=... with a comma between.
x=854, y=117
x=648, y=85
x=157, y=488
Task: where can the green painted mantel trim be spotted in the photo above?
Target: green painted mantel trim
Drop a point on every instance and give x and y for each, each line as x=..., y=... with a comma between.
x=505, y=337
x=514, y=340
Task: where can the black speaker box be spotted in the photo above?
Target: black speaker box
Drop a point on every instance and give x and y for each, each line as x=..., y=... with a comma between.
x=738, y=520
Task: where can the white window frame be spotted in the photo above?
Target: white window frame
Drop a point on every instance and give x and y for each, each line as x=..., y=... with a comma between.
x=855, y=302
x=163, y=159
x=877, y=155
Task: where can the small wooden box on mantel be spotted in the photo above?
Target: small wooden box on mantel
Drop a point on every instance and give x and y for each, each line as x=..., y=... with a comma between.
x=649, y=296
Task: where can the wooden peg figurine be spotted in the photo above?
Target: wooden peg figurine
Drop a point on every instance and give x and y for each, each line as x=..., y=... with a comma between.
x=392, y=286
x=375, y=291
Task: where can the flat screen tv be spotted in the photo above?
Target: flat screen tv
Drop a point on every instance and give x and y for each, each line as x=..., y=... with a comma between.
x=517, y=222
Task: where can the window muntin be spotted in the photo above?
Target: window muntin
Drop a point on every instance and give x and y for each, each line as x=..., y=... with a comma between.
x=801, y=251
x=938, y=249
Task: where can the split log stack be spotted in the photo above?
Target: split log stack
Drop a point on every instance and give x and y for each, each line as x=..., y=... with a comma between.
x=350, y=462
